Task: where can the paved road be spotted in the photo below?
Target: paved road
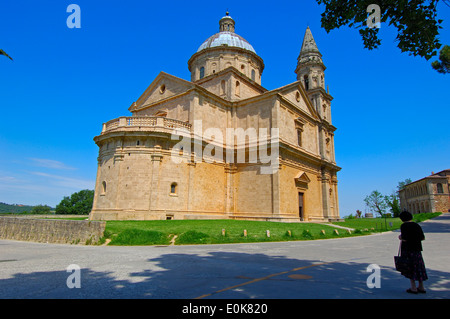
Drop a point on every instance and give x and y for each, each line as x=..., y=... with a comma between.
x=334, y=268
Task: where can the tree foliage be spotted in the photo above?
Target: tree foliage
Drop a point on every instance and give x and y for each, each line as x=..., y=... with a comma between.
x=416, y=22
x=402, y=184
x=393, y=202
x=376, y=202
x=5, y=54
x=41, y=209
x=79, y=203
x=443, y=65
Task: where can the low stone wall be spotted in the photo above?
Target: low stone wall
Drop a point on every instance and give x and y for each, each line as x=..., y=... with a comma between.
x=51, y=230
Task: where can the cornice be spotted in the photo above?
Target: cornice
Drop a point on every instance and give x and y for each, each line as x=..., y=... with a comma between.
x=225, y=48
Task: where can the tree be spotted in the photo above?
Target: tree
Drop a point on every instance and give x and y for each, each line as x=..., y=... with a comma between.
x=393, y=202
x=41, y=209
x=79, y=203
x=444, y=65
x=376, y=202
x=416, y=22
x=5, y=54
x=402, y=185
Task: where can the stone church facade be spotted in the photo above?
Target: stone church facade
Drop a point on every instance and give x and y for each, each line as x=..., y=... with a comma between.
x=221, y=146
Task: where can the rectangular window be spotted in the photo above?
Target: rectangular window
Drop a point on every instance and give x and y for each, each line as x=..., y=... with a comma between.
x=299, y=137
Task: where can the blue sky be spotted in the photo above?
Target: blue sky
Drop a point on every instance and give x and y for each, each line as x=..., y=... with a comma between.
x=391, y=110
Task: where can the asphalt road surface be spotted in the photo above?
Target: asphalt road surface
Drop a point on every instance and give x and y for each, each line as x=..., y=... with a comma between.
x=320, y=269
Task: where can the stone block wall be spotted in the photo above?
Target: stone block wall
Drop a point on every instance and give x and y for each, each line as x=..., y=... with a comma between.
x=442, y=203
x=51, y=230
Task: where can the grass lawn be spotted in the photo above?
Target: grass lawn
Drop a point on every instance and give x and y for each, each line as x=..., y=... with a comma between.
x=161, y=232
x=374, y=224
x=380, y=224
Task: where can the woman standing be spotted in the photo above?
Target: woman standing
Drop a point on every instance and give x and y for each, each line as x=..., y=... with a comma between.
x=411, y=237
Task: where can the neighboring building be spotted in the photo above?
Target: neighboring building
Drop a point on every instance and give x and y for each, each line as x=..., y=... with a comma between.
x=429, y=194
x=172, y=160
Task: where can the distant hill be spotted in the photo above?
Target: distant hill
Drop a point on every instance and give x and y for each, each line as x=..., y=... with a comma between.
x=15, y=208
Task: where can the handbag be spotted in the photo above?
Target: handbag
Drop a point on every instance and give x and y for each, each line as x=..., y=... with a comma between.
x=401, y=262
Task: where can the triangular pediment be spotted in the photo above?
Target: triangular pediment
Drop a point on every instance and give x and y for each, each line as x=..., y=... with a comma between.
x=295, y=95
x=223, y=84
x=163, y=87
x=302, y=177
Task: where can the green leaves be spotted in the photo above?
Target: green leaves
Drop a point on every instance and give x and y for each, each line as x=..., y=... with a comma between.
x=41, y=209
x=79, y=203
x=415, y=20
x=376, y=202
x=443, y=65
x=5, y=54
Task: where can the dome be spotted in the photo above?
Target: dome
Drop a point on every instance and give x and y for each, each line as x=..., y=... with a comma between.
x=223, y=50
x=226, y=37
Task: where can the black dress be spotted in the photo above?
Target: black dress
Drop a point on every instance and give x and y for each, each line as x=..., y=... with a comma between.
x=412, y=236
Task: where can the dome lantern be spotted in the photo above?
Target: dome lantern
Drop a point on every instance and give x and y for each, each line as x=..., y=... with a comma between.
x=226, y=23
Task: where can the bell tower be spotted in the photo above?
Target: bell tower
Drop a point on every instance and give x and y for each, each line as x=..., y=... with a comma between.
x=310, y=68
x=311, y=72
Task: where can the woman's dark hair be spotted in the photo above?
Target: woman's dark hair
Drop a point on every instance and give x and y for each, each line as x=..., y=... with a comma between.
x=405, y=216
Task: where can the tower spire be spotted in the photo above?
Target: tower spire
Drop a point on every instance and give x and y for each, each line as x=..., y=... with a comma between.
x=310, y=66
x=309, y=45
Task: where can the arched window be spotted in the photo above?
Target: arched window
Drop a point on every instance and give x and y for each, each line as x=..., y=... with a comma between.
x=306, y=80
x=238, y=88
x=103, y=188
x=440, y=190
x=253, y=75
x=202, y=72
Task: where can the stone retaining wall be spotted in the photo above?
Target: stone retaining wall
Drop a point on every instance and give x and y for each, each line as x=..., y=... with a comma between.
x=51, y=230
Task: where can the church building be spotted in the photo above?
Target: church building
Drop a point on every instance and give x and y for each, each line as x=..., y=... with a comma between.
x=221, y=146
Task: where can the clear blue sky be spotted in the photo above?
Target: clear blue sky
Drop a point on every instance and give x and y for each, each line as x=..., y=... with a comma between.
x=391, y=110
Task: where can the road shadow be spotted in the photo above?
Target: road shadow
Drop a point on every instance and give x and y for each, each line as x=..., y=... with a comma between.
x=440, y=224
x=225, y=275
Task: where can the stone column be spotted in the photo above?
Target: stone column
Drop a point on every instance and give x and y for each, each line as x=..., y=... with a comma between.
x=325, y=195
